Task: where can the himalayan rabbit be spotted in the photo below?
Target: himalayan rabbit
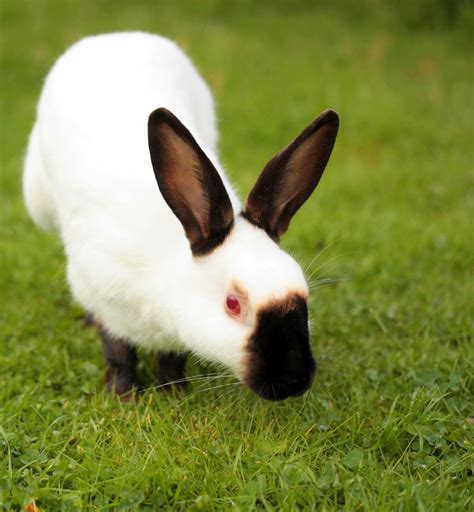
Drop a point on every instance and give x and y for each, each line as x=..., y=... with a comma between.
x=122, y=164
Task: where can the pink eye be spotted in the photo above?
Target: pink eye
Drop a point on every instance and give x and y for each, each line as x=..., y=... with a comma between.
x=232, y=305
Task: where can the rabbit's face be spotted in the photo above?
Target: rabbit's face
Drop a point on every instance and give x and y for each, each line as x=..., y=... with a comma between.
x=260, y=307
x=248, y=307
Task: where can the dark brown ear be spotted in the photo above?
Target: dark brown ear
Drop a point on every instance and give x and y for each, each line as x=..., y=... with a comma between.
x=189, y=182
x=290, y=177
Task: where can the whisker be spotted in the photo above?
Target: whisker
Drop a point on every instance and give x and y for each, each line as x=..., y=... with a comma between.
x=184, y=379
x=322, y=251
x=325, y=263
x=319, y=283
x=218, y=387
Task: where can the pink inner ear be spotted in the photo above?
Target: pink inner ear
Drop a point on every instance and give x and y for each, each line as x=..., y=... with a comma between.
x=290, y=177
x=181, y=174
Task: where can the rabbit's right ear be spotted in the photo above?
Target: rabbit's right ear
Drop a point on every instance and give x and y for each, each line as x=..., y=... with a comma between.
x=189, y=183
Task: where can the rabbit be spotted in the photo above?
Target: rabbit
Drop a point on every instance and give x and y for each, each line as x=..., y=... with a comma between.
x=122, y=164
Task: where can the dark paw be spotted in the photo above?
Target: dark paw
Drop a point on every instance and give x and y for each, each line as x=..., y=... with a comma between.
x=121, y=361
x=170, y=371
x=121, y=382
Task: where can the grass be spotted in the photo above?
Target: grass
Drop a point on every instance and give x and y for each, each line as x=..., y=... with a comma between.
x=388, y=423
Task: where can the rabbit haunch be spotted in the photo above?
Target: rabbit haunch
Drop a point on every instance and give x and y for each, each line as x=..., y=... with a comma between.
x=156, y=265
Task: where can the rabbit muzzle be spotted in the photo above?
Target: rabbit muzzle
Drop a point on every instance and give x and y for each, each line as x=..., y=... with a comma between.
x=279, y=363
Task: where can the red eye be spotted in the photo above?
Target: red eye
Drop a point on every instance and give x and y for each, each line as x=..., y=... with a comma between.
x=233, y=305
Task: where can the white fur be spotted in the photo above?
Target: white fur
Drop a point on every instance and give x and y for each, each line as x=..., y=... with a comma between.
x=88, y=175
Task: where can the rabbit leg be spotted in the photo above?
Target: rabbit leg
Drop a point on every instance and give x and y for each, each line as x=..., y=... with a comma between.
x=121, y=364
x=170, y=369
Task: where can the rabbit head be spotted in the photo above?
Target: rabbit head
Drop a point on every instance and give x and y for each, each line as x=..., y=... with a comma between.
x=245, y=302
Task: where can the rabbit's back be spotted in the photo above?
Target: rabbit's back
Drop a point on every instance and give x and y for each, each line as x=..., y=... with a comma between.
x=122, y=77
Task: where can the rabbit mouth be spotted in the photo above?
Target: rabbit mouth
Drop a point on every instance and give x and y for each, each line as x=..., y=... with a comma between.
x=282, y=388
x=279, y=363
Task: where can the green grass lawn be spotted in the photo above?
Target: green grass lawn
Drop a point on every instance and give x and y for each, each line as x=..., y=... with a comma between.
x=387, y=425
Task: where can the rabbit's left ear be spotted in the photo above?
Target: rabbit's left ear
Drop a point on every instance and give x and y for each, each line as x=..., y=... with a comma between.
x=290, y=177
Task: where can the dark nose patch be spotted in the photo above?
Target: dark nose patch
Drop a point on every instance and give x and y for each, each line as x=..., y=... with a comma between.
x=280, y=363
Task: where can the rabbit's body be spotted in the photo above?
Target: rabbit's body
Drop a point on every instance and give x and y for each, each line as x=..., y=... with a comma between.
x=184, y=269
x=89, y=163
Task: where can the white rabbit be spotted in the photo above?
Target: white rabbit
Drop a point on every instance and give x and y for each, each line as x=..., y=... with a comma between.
x=179, y=267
